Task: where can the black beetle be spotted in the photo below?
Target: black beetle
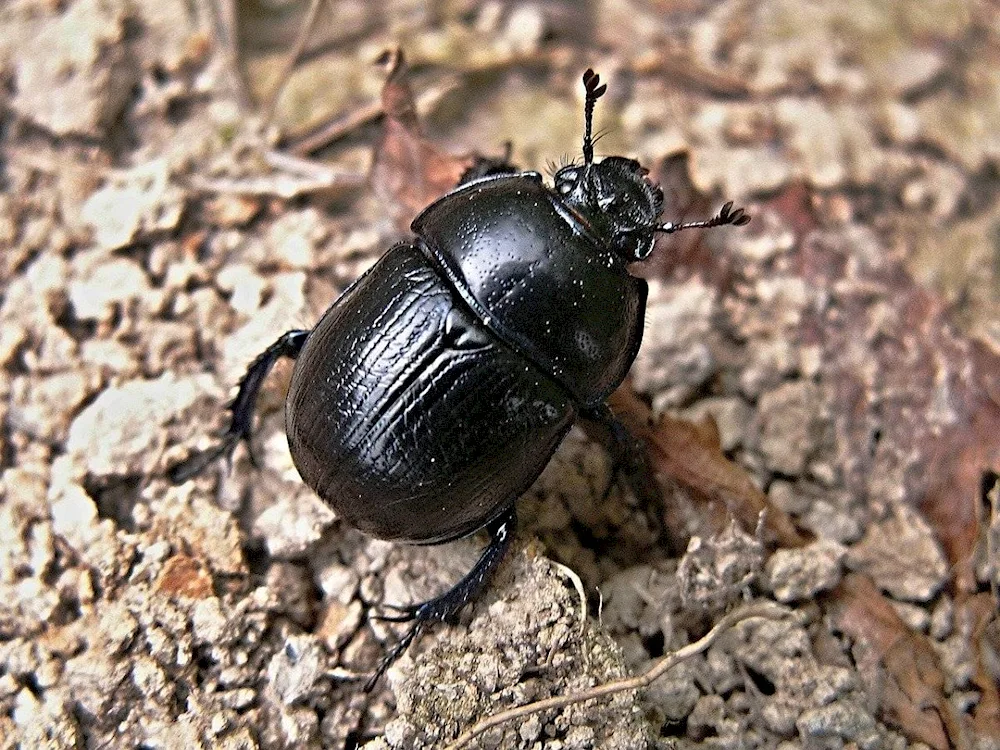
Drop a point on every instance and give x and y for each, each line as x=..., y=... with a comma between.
x=434, y=391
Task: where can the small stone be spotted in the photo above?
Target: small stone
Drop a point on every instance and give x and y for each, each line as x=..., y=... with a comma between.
x=244, y=285
x=185, y=576
x=40, y=404
x=675, y=359
x=293, y=524
x=399, y=733
x=789, y=427
x=294, y=670
x=338, y=622
x=74, y=513
x=118, y=627
x=132, y=204
x=149, y=678
x=208, y=623
x=293, y=237
x=104, y=285
x=902, y=555
x=338, y=581
x=119, y=431
x=299, y=727
x=524, y=29
x=530, y=728
x=799, y=574
x=832, y=522
x=109, y=356
x=74, y=73
x=27, y=710
x=843, y=720
x=916, y=618
x=942, y=619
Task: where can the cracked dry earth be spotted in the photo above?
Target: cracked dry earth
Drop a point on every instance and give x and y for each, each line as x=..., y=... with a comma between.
x=818, y=392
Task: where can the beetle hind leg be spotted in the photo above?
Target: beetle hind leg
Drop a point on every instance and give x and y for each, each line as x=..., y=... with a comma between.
x=448, y=604
x=486, y=166
x=242, y=407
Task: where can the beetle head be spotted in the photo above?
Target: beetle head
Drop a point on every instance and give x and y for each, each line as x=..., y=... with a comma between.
x=616, y=200
x=613, y=197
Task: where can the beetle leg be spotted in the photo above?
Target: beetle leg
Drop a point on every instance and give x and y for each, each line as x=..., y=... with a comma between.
x=485, y=166
x=446, y=606
x=628, y=456
x=241, y=424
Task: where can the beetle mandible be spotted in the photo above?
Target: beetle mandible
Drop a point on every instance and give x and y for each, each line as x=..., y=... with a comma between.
x=435, y=390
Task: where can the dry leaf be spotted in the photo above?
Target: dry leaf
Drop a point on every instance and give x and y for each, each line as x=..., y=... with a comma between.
x=960, y=458
x=900, y=666
x=409, y=172
x=690, y=455
x=981, y=611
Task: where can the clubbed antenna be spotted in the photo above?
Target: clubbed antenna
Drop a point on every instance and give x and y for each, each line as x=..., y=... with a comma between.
x=725, y=216
x=595, y=90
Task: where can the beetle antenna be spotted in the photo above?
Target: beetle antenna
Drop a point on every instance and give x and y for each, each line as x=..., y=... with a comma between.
x=726, y=215
x=595, y=90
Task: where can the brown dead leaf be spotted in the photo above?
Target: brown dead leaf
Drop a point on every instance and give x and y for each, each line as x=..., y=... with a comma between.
x=409, y=172
x=959, y=460
x=900, y=667
x=690, y=455
x=981, y=613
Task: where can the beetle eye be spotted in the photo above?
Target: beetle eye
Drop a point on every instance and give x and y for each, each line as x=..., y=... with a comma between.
x=633, y=245
x=566, y=180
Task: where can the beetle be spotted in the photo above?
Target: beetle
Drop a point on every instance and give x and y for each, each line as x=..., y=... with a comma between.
x=434, y=391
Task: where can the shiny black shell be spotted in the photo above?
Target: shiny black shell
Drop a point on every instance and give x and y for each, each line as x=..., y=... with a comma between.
x=530, y=270
x=434, y=391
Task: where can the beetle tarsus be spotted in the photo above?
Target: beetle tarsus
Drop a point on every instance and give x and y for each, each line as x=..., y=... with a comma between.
x=241, y=425
x=394, y=653
x=448, y=604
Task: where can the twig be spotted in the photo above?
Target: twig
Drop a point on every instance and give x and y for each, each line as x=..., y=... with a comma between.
x=769, y=610
x=337, y=129
x=286, y=73
x=366, y=113
x=578, y=584
x=292, y=177
x=226, y=35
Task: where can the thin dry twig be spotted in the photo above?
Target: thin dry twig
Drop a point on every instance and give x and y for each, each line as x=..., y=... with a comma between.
x=769, y=610
x=291, y=178
x=224, y=28
x=358, y=118
x=286, y=73
x=337, y=129
x=578, y=585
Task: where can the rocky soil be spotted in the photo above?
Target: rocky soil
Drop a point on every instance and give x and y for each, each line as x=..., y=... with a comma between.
x=818, y=392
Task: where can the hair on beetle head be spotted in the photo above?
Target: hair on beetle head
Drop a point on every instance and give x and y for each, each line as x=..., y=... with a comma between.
x=552, y=166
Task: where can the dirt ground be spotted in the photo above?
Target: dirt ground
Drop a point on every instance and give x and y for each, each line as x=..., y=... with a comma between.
x=818, y=392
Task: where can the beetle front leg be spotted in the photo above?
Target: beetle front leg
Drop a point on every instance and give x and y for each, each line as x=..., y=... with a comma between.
x=448, y=604
x=242, y=407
